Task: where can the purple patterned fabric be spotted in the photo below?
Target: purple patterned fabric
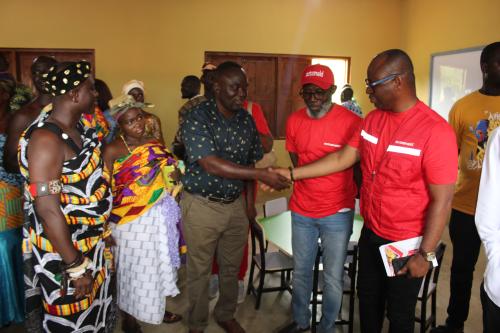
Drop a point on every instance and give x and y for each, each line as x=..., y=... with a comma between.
x=172, y=213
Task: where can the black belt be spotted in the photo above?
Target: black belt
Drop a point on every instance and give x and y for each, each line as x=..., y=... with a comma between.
x=221, y=200
x=215, y=199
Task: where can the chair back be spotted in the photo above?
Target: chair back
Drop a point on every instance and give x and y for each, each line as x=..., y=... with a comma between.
x=258, y=241
x=275, y=206
x=433, y=274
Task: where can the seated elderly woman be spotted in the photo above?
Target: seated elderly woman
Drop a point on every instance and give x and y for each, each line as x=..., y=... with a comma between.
x=144, y=218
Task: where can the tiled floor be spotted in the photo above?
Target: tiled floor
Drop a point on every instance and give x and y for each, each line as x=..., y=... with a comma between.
x=275, y=308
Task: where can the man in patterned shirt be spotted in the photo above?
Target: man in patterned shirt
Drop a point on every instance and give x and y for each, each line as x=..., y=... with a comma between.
x=222, y=145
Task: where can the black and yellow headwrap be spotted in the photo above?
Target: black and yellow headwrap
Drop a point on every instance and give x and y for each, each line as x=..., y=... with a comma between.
x=60, y=82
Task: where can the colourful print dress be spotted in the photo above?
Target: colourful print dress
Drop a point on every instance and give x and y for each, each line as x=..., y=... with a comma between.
x=86, y=204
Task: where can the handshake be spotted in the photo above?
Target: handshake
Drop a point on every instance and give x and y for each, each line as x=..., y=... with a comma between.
x=274, y=178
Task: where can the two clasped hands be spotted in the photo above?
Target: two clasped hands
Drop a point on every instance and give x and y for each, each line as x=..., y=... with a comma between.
x=276, y=179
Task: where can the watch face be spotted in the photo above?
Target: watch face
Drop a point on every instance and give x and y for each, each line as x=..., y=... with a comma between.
x=431, y=256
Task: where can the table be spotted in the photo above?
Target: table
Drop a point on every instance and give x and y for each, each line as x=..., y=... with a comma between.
x=278, y=230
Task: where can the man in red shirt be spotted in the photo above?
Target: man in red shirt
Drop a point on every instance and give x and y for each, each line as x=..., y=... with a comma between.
x=323, y=207
x=408, y=157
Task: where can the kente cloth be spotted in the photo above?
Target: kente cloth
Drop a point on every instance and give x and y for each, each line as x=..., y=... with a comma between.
x=86, y=204
x=11, y=210
x=11, y=219
x=98, y=122
x=140, y=180
x=146, y=231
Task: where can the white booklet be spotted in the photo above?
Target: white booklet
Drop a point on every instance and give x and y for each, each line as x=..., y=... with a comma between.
x=401, y=249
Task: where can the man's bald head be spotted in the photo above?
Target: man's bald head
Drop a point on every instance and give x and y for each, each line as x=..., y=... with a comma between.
x=390, y=80
x=396, y=61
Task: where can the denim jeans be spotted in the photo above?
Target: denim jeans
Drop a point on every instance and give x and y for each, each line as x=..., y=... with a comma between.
x=334, y=232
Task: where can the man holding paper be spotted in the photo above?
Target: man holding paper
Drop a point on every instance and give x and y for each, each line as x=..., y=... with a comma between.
x=408, y=158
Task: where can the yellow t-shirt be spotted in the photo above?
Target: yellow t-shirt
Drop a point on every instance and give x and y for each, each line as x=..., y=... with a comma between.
x=473, y=118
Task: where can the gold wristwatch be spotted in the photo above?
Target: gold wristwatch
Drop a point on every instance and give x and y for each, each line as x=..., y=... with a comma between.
x=428, y=256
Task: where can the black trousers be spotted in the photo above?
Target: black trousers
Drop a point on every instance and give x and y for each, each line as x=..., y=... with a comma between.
x=491, y=313
x=376, y=290
x=466, y=246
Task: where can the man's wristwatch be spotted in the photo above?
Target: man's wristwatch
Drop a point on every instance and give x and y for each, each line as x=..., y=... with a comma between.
x=428, y=256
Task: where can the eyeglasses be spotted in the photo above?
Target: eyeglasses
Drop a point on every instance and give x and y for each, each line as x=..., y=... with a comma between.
x=386, y=79
x=318, y=94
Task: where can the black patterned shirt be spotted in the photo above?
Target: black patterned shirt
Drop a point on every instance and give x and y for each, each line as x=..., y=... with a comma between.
x=207, y=132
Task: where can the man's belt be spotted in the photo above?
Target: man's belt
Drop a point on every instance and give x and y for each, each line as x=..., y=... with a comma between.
x=215, y=199
x=221, y=200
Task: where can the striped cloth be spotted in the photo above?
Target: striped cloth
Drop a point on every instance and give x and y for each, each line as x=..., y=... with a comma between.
x=86, y=203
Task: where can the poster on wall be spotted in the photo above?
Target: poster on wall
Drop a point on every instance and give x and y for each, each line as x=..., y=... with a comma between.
x=454, y=74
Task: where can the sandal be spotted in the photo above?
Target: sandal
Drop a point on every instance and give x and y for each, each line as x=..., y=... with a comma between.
x=171, y=318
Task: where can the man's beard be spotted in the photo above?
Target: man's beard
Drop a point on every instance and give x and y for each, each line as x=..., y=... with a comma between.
x=324, y=110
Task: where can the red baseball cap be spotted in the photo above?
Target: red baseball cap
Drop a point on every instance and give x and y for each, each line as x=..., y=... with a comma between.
x=319, y=75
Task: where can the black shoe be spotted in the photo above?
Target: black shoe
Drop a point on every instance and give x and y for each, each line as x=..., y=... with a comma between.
x=293, y=328
x=447, y=329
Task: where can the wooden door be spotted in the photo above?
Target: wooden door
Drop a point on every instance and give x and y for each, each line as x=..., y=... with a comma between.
x=288, y=99
x=261, y=75
x=22, y=59
x=10, y=56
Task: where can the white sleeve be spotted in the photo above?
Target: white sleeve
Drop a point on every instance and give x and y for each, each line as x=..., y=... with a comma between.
x=488, y=203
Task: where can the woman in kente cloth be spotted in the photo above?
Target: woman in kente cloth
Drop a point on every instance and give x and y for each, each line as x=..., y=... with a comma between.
x=68, y=201
x=11, y=217
x=144, y=218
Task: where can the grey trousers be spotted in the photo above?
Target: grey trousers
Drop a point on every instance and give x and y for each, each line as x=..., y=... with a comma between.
x=212, y=228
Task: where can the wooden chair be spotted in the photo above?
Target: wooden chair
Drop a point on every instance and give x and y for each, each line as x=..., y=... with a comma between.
x=429, y=290
x=275, y=207
x=267, y=263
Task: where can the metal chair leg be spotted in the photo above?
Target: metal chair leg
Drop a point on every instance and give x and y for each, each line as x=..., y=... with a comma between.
x=259, y=291
x=423, y=315
x=433, y=308
x=250, y=279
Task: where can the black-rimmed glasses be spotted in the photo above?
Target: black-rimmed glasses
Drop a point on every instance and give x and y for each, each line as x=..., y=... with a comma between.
x=318, y=94
x=386, y=79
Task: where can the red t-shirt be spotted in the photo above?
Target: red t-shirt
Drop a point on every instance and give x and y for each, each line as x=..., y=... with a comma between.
x=259, y=118
x=400, y=154
x=312, y=139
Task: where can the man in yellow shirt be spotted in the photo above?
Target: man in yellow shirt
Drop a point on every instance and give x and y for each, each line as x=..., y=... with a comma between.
x=473, y=118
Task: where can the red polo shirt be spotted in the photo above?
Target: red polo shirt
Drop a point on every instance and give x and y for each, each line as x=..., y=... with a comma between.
x=312, y=139
x=401, y=153
x=258, y=117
